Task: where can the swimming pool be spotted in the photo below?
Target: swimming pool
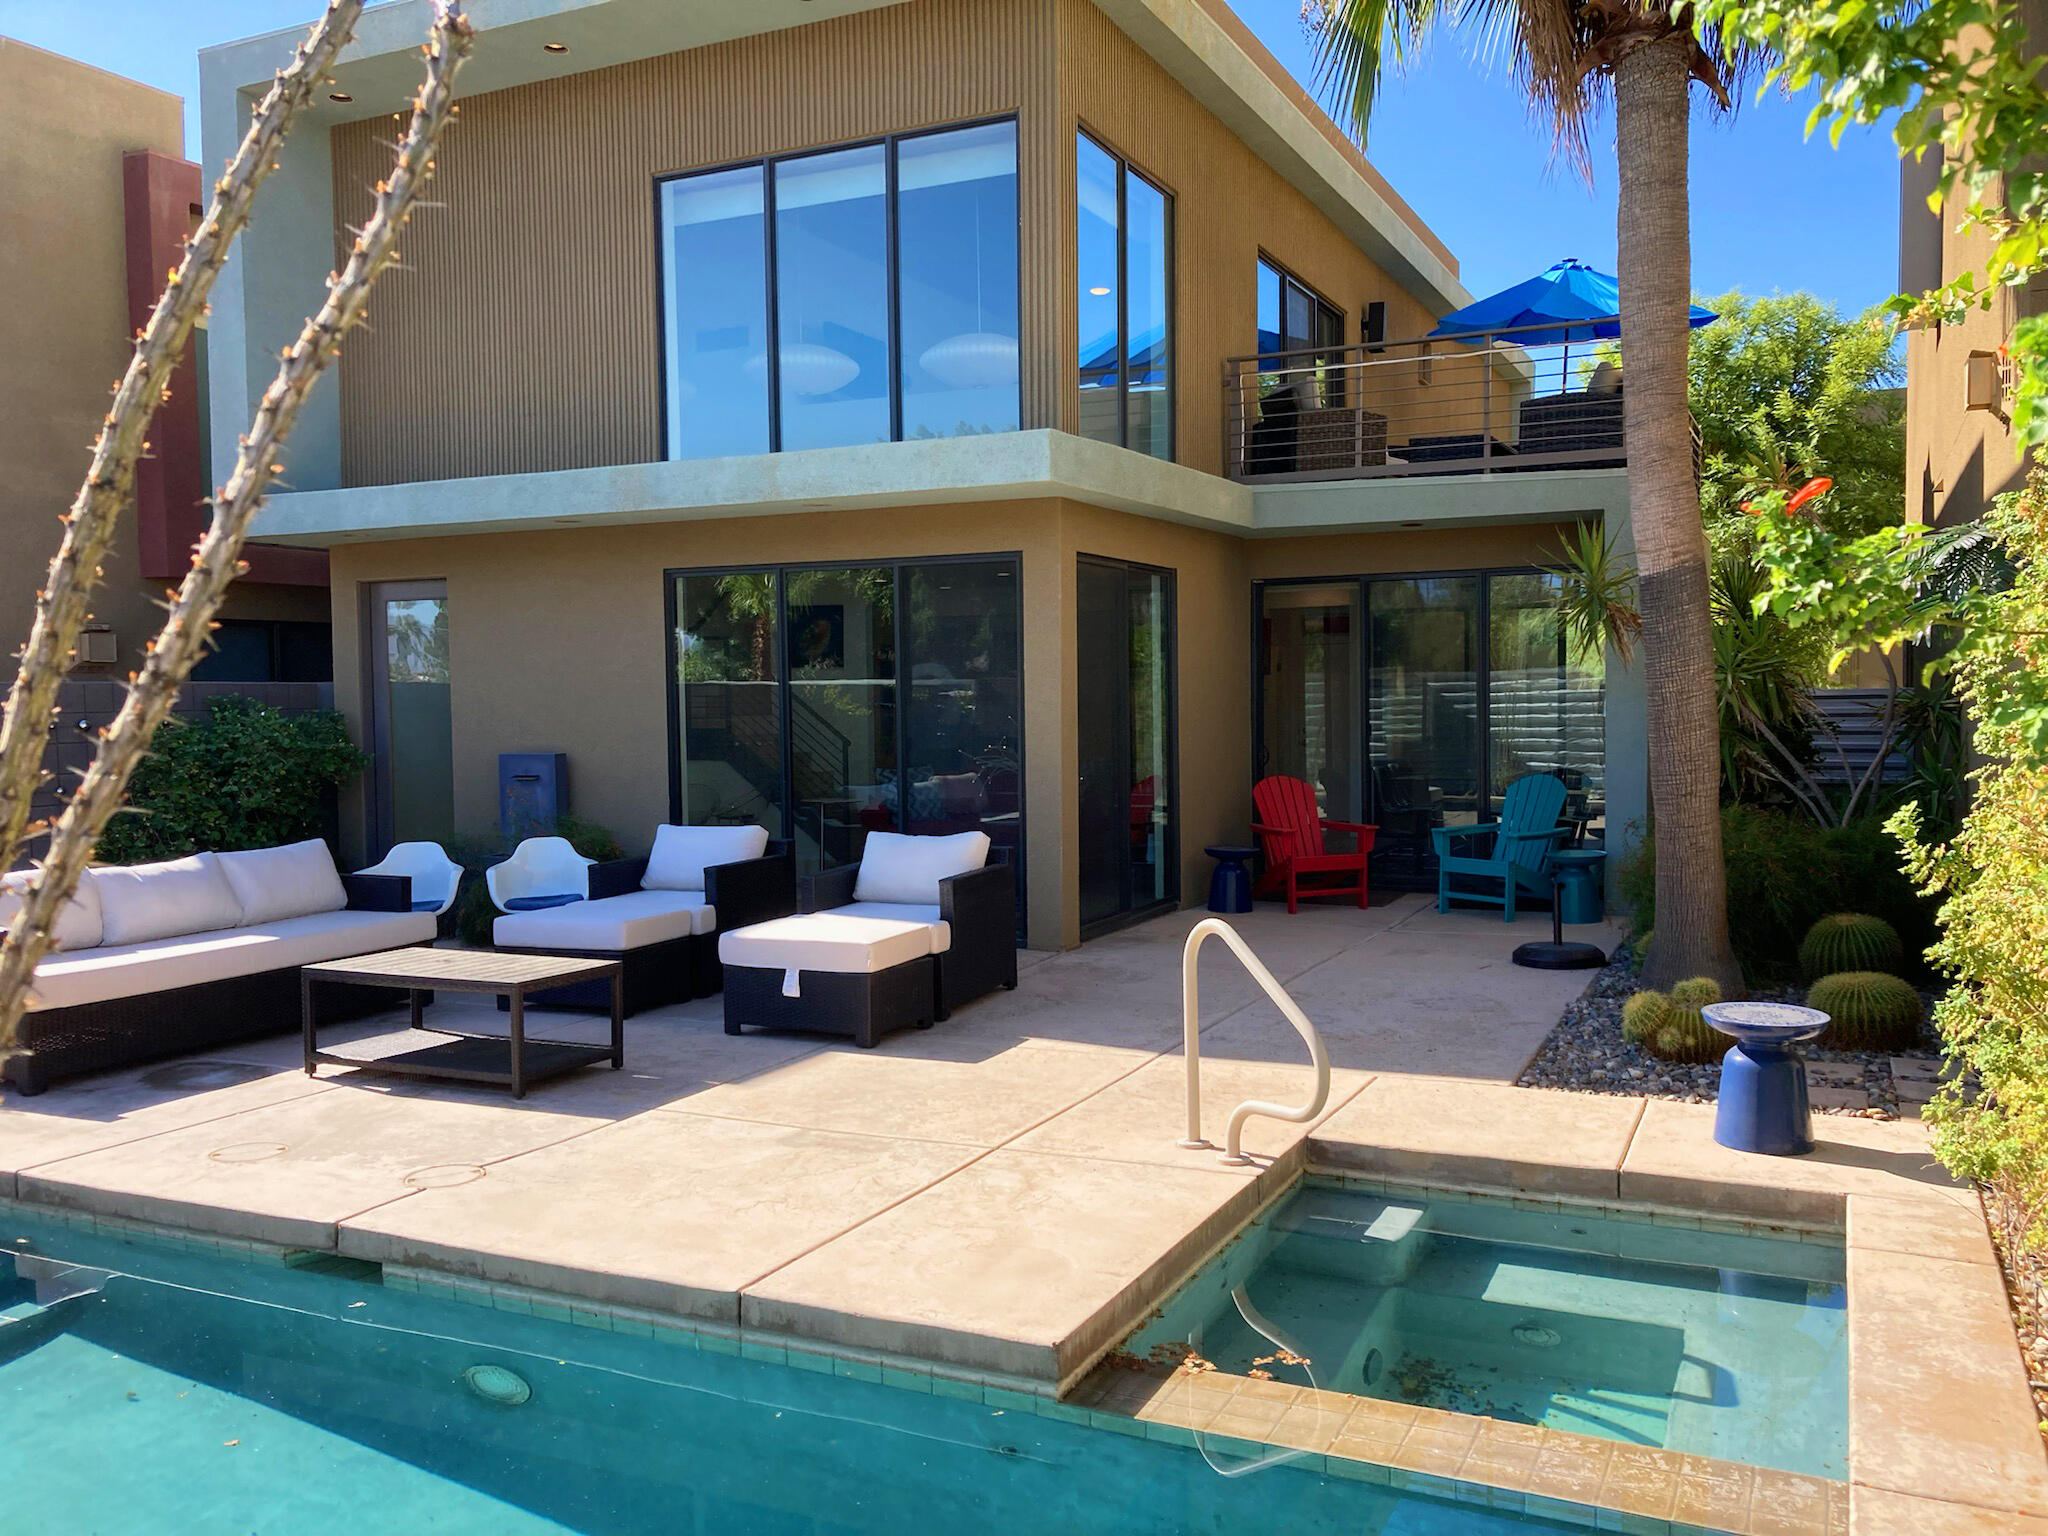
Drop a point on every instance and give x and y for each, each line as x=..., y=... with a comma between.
x=1722, y=1342
x=160, y=1390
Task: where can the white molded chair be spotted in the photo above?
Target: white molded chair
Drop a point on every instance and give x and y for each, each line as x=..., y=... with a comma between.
x=434, y=875
x=542, y=872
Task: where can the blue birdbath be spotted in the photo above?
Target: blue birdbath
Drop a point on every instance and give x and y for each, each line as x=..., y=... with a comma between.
x=1762, y=1106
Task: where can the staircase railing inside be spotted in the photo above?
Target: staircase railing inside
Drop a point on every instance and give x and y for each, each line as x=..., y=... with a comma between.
x=1191, y=1032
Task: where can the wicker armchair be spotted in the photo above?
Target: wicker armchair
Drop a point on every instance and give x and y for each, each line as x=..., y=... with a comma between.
x=980, y=907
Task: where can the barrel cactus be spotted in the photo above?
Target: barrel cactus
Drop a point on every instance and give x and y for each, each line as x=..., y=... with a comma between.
x=1671, y=1027
x=1867, y=1011
x=1850, y=941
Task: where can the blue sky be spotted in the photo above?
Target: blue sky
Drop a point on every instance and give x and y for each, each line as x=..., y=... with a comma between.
x=1770, y=209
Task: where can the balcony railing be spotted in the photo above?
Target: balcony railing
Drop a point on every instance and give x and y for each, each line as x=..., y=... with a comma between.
x=1489, y=403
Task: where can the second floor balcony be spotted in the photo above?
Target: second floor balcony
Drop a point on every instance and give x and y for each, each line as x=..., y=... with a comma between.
x=1481, y=403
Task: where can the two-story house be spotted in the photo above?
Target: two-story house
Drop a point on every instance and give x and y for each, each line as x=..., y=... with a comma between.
x=919, y=414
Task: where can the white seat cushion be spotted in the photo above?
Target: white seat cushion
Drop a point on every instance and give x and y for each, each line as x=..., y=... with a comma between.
x=140, y=902
x=681, y=854
x=826, y=941
x=295, y=880
x=902, y=912
x=906, y=870
x=625, y=922
x=158, y=965
x=78, y=920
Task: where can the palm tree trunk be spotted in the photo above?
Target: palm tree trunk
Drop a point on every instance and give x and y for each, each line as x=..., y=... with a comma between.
x=1652, y=108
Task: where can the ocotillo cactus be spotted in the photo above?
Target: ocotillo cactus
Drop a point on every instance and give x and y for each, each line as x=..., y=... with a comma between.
x=217, y=560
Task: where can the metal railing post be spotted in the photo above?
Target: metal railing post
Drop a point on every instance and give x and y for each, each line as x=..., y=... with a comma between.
x=1191, y=1041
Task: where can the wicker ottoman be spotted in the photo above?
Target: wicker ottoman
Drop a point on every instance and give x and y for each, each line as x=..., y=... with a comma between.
x=858, y=976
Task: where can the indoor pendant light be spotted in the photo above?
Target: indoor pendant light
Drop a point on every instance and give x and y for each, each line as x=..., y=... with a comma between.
x=972, y=360
x=807, y=368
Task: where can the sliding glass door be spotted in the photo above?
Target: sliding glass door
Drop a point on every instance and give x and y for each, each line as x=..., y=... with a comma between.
x=1412, y=702
x=411, y=713
x=1128, y=800
x=826, y=703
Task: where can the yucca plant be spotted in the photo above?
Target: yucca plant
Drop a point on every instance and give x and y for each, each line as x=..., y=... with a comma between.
x=1596, y=600
x=1867, y=1011
x=1850, y=941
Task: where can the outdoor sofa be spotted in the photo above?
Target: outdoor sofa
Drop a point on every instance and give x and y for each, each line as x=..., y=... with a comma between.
x=919, y=926
x=154, y=960
x=660, y=916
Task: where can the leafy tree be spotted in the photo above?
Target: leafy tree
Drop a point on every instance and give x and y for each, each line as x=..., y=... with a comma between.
x=1963, y=82
x=1565, y=56
x=1785, y=388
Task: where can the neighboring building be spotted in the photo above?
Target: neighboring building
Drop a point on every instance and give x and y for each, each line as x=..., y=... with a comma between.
x=1960, y=447
x=921, y=414
x=98, y=199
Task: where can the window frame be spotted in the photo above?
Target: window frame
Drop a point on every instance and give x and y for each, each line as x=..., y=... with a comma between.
x=898, y=567
x=767, y=164
x=1125, y=169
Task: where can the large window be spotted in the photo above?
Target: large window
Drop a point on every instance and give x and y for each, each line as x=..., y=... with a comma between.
x=828, y=702
x=856, y=295
x=1293, y=318
x=1124, y=253
x=1413, y=702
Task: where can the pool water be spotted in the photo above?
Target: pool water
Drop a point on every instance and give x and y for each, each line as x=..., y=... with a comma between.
x=145, y=1389
x=1723, y=1343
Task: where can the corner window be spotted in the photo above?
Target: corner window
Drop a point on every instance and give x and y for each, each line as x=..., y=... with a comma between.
x=1124, y=250
x=1301, y=337
x=853, y=295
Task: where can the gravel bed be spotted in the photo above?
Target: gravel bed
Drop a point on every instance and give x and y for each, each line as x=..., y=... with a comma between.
x=1585, y=1052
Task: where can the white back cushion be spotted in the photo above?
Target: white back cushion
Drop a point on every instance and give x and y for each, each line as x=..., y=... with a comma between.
x=681, y=854
x=896, y=868
x=78, y=920
x=139, y=902
x=296, y=880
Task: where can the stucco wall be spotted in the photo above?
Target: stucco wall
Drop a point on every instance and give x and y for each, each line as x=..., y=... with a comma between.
x=63, y=267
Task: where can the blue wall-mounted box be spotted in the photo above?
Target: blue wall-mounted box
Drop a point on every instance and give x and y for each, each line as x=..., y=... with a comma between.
x=533, y=793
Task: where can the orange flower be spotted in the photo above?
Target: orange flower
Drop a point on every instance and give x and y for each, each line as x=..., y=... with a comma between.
x=1816, y=487
x=1752, y=509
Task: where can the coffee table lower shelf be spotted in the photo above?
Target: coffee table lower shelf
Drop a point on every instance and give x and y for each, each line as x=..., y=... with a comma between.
x=476, y=1059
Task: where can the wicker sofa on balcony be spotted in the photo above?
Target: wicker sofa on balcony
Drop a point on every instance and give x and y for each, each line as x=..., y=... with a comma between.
x=154, y=960
x=660, y=916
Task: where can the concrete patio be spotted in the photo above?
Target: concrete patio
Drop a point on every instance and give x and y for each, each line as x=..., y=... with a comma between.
x=1020, y=1159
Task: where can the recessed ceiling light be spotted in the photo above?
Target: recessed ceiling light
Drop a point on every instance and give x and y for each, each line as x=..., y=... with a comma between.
x=340, y=96
x=554, y=47
x=1098, y=292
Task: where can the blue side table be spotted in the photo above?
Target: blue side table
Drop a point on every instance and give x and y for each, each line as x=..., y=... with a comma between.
x=1230, y=888
x=1579, y=877
x=1762, y=1106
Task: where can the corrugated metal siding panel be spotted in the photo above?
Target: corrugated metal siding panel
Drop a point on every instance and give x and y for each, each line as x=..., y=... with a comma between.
x=523, y=334
x=1228, y=205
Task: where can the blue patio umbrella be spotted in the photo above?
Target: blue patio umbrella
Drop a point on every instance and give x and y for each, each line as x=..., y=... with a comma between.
x=1570, y=301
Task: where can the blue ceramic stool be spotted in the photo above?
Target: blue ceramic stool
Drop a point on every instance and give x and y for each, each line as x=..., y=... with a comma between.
x=1579, y=877
x=1230, y=888
x=1762, y=1105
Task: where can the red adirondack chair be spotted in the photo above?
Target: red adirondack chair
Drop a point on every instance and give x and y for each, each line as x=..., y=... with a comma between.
x=1291, y=828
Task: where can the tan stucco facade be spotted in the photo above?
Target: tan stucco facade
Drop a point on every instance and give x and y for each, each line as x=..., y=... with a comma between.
x=64, y=130
x=63, y=268
x=1958, y=458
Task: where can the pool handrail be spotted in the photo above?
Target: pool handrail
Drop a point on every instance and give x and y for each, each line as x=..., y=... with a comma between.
x=1191, y=1032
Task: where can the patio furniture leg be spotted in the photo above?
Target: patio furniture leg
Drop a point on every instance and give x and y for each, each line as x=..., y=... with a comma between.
x=518, y=1042
x=306, y=1021
x=1443, y=891
x=1507, y=913
x=619, y=1020
x=418, y=1000
x=1293, y=895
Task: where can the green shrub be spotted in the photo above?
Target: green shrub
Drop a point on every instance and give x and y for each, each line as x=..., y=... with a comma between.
x=1785, y=873
x=1671, y=1028
x=245, y=775
x=473, y=912
x=1867, y=1011
x=1850, y=941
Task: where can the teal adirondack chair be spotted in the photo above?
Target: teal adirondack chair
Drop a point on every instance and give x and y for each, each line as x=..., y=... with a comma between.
x=1515, y=850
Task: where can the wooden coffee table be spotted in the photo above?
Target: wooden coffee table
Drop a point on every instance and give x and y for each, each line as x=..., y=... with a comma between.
x=512, y=1060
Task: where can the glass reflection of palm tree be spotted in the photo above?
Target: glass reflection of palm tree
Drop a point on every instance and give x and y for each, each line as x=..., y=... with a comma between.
x=418, y=639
